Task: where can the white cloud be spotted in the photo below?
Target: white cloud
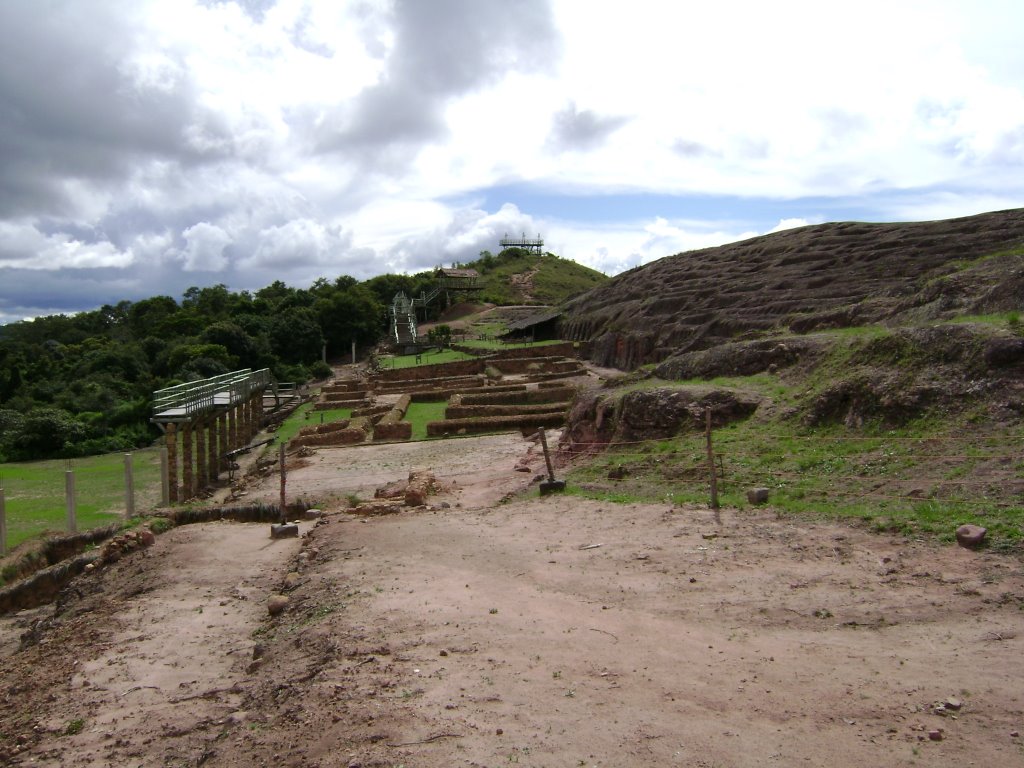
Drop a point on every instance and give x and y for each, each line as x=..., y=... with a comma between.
x=22, y=246
x=204, y=249
x=321, y=136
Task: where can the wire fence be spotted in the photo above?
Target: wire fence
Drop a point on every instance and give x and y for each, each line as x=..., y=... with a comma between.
x=35, y=498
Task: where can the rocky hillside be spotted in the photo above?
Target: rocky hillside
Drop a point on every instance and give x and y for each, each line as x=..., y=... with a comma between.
x=818, y=277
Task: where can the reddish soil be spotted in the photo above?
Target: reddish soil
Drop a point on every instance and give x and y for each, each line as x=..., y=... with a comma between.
x=536, y=631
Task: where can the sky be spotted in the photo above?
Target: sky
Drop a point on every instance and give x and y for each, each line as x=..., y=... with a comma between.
x=147, y=146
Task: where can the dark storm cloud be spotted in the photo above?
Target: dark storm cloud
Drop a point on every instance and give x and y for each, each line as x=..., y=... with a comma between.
x=70, y=111
x=442, y=49
x=575, y=129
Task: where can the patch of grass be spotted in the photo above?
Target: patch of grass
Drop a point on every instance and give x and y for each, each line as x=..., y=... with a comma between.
x=420, y=414
x=999, y=319
x=430, y=357
x=495, y=344
x=923, y=479
x=305, y=416
x=35, y=492
x=74, y=726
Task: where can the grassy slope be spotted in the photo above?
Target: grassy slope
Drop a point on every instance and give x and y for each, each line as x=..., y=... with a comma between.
x=925, y=477
x=554, y=281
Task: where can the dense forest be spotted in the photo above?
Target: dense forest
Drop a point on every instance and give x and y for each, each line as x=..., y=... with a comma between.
x=81, y=384
x=75, y=385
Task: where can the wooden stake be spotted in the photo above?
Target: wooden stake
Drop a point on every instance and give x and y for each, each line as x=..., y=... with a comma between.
x=547, y=456
x=711, y=462
x=284, y=480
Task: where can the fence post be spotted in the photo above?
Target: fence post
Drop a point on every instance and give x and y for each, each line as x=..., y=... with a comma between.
x=284, y=507
x=165, y=478
x=3, y=519
x=69, y=495
x=711, y=461
x=129, y=487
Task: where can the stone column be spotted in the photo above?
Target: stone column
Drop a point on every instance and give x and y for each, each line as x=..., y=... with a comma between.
x=202, y=466
x=232, y=427
x=213, y=458
x=259, y=410
x=246, y=422
x=188, y=487
x=254, y=413
x=222, y=438
x=171, y=438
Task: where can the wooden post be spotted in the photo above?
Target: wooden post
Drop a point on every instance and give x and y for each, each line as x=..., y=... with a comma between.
x=165, y=478
x=172, y=463
x=3, y=520
x=232, y=428
x=547, y=455
x=284, y=480
x=69, y=497
x=711, y=462
x=129, y=486
x=353, y=353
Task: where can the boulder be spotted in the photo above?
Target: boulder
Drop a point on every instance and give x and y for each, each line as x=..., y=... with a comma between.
x=970, y=535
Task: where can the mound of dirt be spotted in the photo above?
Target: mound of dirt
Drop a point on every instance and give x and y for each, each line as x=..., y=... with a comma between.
x=815, y=277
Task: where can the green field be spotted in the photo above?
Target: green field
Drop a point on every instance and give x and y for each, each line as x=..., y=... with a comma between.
x=431, y=357
x=35, y=497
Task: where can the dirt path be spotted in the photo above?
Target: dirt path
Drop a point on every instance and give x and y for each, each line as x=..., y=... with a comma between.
x=542, y=632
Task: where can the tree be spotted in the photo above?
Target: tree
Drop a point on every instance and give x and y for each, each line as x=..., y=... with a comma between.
x=296, y=337
x=351, y=315
x=237, y=342
x=441, y=335
x=45, y=432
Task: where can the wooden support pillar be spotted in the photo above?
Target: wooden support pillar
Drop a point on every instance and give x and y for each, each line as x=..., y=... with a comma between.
x=172, y=462
x=202, y=476
x=213, y=463
x=188, y=481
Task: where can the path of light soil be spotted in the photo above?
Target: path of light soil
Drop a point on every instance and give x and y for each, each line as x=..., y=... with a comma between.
x=492, y=634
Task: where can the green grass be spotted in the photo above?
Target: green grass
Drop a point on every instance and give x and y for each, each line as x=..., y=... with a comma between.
x=923, y=479
x=554, y=279
x=420, y=414
x=494, y=344
x=431, y=357
x=35, y=497
x=305, y=416
x=1009, y=320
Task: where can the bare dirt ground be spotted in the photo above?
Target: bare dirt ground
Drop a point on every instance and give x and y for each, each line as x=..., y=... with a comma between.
x=540, y=632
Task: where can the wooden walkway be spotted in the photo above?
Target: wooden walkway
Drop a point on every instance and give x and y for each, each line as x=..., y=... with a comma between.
x=184, y=402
